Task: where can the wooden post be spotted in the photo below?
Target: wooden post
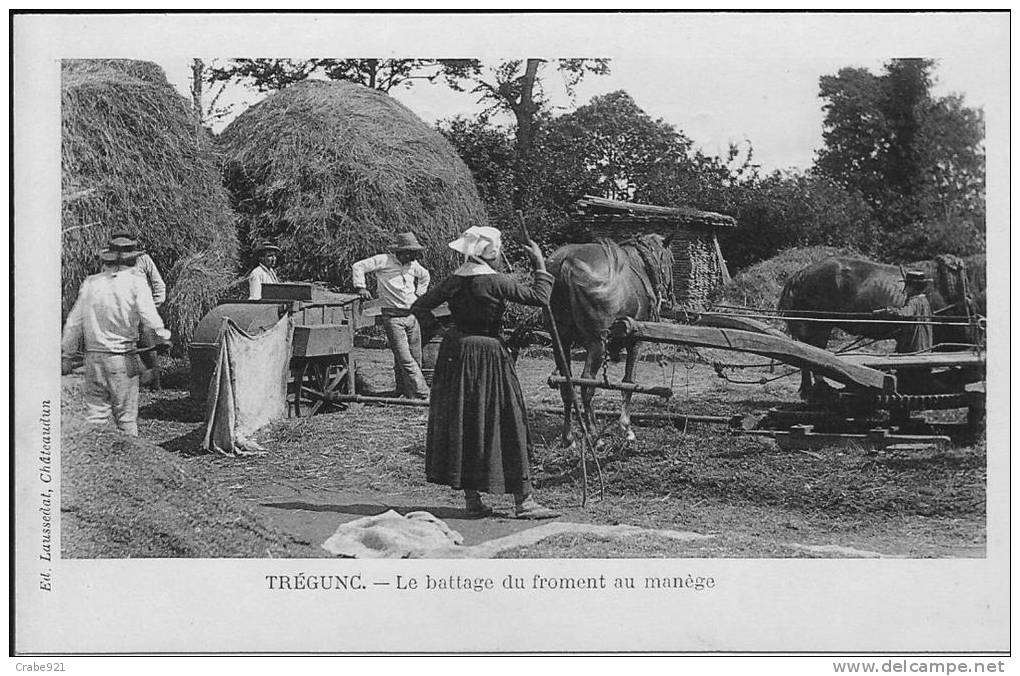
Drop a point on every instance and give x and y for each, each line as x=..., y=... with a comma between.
x=197, y=68
x=722, y=261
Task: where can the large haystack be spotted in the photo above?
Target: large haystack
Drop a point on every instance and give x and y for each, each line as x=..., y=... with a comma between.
x=758, y=287
x=131, y=159
x=331, y=170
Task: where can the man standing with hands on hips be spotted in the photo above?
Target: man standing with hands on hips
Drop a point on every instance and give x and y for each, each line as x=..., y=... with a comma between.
x=400, y=280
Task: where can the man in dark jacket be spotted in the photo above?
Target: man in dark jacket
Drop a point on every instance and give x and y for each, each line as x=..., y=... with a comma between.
x=915, y=334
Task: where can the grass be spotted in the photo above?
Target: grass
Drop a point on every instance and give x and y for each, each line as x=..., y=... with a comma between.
x=758, y=500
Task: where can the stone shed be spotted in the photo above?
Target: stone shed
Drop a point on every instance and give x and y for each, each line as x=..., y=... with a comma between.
x=698, y=265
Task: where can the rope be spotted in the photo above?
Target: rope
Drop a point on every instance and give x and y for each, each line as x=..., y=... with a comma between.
x=761, y=381
x=822, y=314
x=830, y=321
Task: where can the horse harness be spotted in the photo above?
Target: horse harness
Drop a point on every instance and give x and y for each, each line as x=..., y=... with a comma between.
x=655, y=275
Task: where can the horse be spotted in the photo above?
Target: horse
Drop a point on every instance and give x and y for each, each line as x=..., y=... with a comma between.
x=836, y=288
x=594, y=284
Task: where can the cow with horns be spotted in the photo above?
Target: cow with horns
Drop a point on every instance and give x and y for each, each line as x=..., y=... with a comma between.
x=850, y=293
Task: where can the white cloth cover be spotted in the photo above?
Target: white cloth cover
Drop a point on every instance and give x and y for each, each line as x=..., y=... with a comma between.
x=392, y=536
x=249, y=386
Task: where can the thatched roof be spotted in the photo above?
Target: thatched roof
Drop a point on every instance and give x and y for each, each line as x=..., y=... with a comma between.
x=131, y=159
x=616, y=211
x=331, y=170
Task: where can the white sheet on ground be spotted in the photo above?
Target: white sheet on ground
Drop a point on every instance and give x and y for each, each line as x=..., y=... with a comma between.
x=392, y=536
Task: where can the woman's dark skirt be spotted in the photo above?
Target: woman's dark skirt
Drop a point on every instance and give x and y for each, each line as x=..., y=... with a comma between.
x=478, y=429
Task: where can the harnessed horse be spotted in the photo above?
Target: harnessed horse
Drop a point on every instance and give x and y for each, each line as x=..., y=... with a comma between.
x=832, y=293
x=594, y=285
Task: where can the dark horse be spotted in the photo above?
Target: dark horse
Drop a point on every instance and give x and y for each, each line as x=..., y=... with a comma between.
x=836, y=287
x=595, y=284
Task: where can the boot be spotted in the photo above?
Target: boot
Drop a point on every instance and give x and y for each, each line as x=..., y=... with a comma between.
x=474, y=506
x=527, y=507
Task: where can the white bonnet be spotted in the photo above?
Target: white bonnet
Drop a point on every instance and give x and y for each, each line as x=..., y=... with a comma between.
x=479, y=241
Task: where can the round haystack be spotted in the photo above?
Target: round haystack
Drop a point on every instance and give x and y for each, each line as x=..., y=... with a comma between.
x=758, y=287
x=331, y=170
x=133, y=159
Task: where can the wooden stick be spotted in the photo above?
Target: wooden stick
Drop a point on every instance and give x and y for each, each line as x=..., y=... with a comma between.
x=564, y=359
x=658, y=391
x=675, y=418
x=523, y=226
x=362, y=399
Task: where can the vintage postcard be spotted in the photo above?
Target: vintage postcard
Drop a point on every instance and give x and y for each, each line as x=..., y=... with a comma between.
x=512, y=333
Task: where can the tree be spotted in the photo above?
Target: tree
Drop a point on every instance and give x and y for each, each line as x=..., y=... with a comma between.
x=488, y=152
x=791, y=209
x=381, y=74
x=917, y=160
x=515, y=86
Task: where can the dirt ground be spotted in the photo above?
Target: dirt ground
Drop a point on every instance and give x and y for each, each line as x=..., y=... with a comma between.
x=753, y=499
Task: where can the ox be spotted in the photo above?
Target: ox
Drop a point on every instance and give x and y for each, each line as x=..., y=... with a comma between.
x=594, y=285
x=836, y=287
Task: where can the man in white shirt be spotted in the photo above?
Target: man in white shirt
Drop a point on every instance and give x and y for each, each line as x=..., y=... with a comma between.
x=400, y=280
x=125, y=243
x=265, y=271
x=110, y=307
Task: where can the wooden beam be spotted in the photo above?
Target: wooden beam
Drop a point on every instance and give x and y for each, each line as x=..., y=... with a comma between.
x=674, y=418
x=731, y=321
x=659, y=391
x=362, y=399
x=927, y=360
x=781, y=349
x=801, y=437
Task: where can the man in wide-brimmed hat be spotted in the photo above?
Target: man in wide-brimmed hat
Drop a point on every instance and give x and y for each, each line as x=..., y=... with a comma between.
x=400, y=280
x=110, y=308
x=122, y=241
x=265, y=272
x=915, y=334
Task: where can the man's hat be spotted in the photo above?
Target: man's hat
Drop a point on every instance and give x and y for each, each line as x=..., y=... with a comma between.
x=266, y=246
x=123, y=233
x=406, y=241
x=915, y=277
x=121, y=243
x=111, y=256
x=120, y=249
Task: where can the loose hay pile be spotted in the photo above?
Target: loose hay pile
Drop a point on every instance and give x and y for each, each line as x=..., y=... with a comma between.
x=131, y=158
x=331, y=170
x=124, y=497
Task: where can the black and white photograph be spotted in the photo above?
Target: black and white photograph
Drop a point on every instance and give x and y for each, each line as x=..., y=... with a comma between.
x=639, y=332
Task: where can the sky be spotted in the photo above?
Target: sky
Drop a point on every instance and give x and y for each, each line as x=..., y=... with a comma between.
x=772, y=102
x=718, y=78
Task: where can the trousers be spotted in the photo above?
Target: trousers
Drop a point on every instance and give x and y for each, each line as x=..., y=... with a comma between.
x=404, y=337
x=111, y=386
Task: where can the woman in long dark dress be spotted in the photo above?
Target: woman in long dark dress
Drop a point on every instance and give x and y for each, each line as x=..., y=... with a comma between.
x=478, y=437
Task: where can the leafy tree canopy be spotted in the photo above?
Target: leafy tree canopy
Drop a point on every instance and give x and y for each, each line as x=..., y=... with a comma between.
x=918, y=160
